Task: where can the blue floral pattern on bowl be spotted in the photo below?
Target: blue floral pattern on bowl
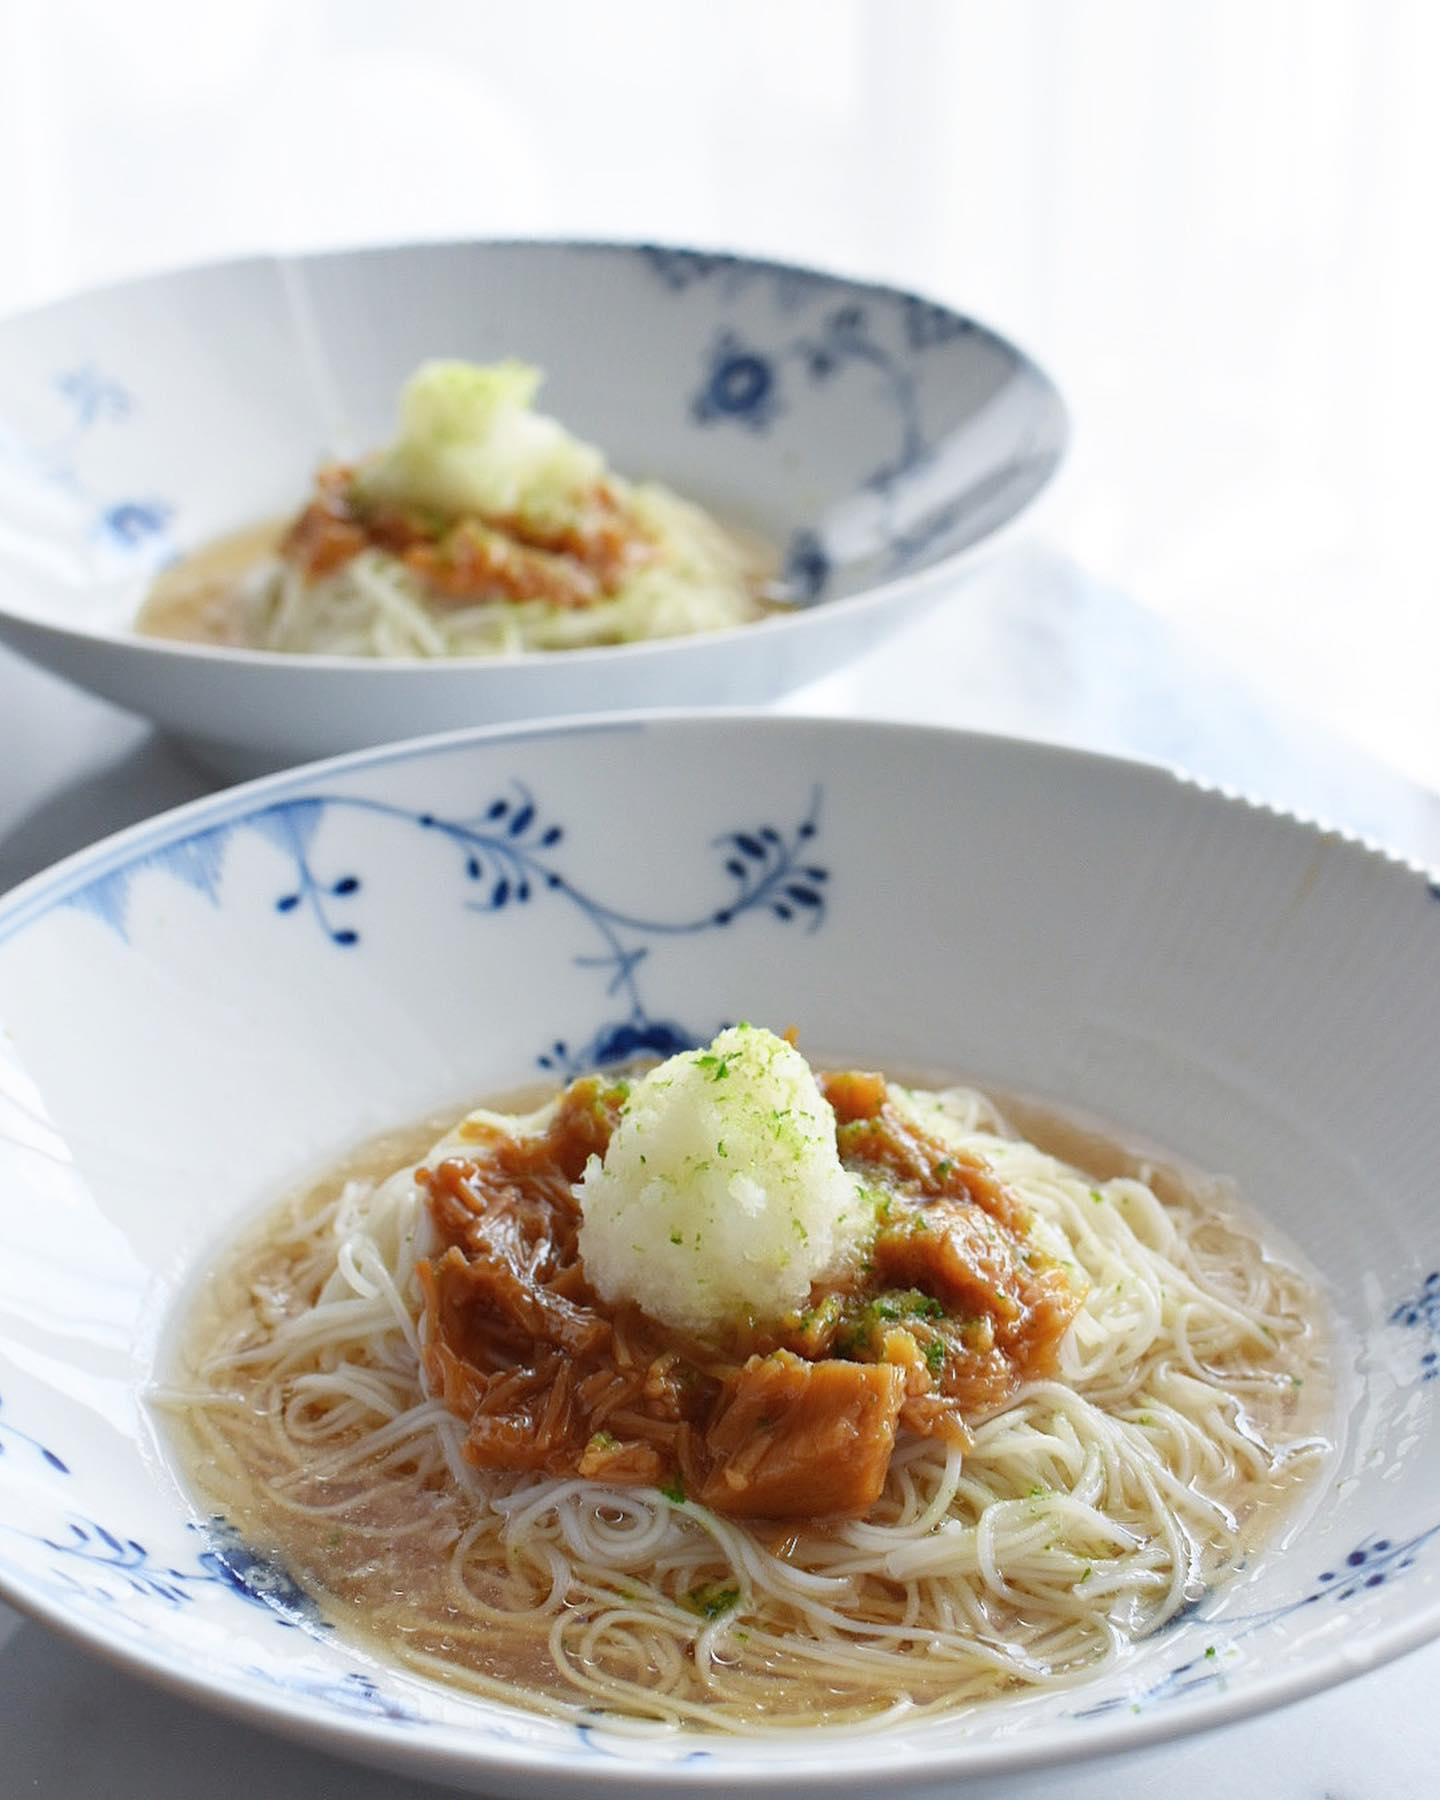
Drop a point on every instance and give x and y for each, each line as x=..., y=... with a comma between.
x=1368, y=1565
x=1421, y=1314
x=137, y=528
x=508, y=857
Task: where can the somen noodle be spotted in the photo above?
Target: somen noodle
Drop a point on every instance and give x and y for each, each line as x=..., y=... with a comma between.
x=1027, y=1549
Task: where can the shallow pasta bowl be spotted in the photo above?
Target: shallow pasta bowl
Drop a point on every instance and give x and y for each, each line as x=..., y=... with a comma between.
x=202, y=1010
x=880, y=442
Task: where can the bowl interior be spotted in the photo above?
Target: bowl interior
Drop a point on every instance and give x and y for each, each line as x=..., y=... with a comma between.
x=866, y=432
x=209, y=1007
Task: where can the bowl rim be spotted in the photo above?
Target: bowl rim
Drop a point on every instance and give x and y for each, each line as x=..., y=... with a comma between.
x=451, y=1750
x=784, y=622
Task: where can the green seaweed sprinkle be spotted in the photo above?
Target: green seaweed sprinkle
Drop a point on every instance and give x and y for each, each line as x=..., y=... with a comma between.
x=710, y=1600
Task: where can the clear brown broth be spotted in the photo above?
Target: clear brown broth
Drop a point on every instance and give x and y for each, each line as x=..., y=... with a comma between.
x=375, y=1560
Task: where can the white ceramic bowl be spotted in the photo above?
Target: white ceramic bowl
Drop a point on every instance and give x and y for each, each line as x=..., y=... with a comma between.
x=883, y=441
x=207, y=1006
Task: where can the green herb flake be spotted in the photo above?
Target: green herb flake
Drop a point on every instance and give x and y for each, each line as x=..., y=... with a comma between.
x=1097, y=1196
x=1086, y=1576
x=935, y=1355
x=674, y=1491
x=710, y=1600
x=677, y=1237
x=1211, y=1651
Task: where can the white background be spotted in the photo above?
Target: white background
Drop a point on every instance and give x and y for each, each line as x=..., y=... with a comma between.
x=1216, y=222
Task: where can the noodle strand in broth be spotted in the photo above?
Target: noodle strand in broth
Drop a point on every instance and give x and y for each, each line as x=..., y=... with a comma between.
x=1088, y=1510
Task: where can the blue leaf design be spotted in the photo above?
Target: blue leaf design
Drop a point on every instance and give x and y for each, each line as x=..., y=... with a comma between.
x=1422, y=1314
x=497, y=845
x=17, y=1436
x=290, y=825
x=198, y=861
x=1369, y=1565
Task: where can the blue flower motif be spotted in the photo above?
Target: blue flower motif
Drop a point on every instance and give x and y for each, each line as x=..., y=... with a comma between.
x=1422, y=1314
x=129, y=523
x=740, y=386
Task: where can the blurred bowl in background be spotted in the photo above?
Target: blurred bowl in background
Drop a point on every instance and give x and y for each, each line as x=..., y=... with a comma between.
x=882, y=442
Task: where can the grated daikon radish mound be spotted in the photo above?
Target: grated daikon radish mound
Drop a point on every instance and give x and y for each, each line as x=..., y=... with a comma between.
x=722, y=1192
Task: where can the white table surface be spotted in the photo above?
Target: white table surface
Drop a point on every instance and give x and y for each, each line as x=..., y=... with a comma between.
x=1034, y=649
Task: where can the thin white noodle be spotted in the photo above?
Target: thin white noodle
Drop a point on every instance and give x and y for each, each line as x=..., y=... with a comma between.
x=1088, y=1511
